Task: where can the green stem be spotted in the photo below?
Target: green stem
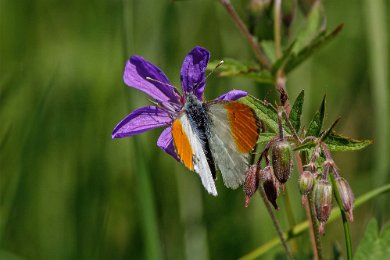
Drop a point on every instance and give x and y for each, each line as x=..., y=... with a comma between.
x=347, y=236
x=314, y=231
x=260, y=55
x=282, y=237
x=303, y=226
x=315, y=228
x=277, y=28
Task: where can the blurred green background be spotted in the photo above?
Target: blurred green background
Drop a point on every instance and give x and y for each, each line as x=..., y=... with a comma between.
x=68, y=191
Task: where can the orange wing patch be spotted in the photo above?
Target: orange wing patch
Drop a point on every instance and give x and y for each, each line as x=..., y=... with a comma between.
x=182, y=144
x=244, y=126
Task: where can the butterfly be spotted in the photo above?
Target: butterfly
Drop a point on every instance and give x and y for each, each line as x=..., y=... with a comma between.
x=204, y=136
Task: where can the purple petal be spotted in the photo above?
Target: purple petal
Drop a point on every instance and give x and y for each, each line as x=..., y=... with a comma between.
x=165, y=142
x=193, y=70
x=233, y=95
x=136, y=71
x=141, y=120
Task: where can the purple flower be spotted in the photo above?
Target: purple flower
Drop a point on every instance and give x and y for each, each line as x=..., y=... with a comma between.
x=145, y=76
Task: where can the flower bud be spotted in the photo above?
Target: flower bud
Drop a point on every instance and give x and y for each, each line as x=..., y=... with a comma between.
x=346, y=196
x=282, y=160
x=270, y=185
x=251, y=183
x=306, y=182
x=322, y=193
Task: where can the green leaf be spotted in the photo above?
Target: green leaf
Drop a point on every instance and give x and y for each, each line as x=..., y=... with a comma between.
x=265, y=137
x=320, y=41
x=296, y=111
x=375, y=244
x=265, y=112
x=315, y=24
x=234, y=68
x=338, y=143
x=315, y=125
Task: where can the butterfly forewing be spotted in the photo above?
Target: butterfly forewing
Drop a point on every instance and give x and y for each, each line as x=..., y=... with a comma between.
x=234, y=130
x=190, y=151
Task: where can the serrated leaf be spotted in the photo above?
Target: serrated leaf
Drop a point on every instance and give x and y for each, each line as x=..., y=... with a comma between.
x=264, y=112
x=375, y=244
x=265, y=137
x=315, y=125
x=339, y=143
x=320, y=41
x=296, y=111
x=315, y=24
x=234, y=68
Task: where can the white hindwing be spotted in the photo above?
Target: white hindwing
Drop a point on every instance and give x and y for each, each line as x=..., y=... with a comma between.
x=199, y=158
x=232, y=164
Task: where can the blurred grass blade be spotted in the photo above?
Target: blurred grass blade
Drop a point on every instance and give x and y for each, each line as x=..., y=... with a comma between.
x=301, y=227
x=375, y=14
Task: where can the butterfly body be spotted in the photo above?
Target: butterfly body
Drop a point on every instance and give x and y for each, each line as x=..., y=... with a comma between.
x=207, y=135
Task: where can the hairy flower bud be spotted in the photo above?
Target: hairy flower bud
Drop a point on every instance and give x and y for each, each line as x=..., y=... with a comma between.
x=270, y=185
x=251, y=183
x=346, y=196
x=282, y=160
x=306, y=182
x=322, y=193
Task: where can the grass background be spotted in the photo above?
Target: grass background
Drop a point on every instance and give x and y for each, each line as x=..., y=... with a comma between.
x=67, y=191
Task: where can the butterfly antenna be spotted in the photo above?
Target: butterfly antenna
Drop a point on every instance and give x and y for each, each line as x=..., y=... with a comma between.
x=155, y=80
x=216, y=67
x=211, y=72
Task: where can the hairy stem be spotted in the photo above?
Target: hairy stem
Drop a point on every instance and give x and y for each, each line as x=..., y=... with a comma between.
x=315, y=237
x=260, y=55
x=275, y=222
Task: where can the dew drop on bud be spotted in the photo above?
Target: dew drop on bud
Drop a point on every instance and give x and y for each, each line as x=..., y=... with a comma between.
x=282, y=160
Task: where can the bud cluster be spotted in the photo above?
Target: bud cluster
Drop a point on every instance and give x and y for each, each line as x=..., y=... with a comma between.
x=314, y=182
x=317, y=184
